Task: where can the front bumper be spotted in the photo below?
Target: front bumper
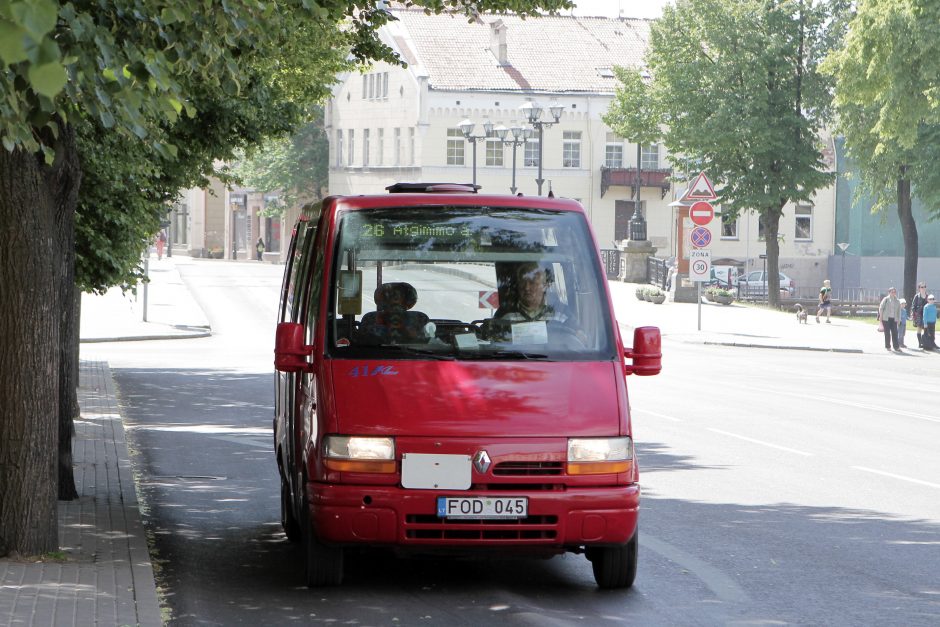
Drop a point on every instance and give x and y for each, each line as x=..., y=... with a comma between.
x=385, y=515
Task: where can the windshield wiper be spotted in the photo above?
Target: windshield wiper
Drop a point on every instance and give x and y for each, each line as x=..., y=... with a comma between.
x=502, y=354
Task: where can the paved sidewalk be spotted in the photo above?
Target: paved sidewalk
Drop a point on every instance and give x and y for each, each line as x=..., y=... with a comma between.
x=171, y=311
x=746, y=325
x=103, y=574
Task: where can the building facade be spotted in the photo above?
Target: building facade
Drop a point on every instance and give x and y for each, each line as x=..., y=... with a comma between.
x=391, y=124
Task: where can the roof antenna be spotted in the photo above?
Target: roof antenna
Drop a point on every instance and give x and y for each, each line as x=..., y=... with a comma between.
x=551, y=194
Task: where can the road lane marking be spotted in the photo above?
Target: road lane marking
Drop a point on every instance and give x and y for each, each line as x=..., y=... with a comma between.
x=901, y=477
x=839, y=401
x=659, y=415
x=723, y=586
x=762, y=443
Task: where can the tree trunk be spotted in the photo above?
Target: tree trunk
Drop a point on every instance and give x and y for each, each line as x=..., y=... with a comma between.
x=909, y=233
x=34, y=199
x=771, y=220
x=70, y=300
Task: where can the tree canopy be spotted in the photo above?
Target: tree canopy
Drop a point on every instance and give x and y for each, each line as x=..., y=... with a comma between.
x=888, y=105
x=735, y=86
x=296, y=167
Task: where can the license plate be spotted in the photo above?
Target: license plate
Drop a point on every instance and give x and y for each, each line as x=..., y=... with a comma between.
x=477, y=507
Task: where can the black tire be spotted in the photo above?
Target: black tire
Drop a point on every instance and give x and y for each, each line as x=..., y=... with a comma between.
x=288, y=520
x=323, y=565
x=615, y=566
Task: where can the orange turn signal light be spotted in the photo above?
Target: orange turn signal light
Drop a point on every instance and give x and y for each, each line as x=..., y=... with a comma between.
x=357, y=465
x=600, y=468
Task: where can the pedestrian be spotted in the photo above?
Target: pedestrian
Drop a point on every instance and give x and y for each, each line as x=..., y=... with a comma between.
x=259, y=248
x=930, y=324
x=825, y=301
x=902, y=323
x=889, y=311
x=161, y=242
x=917, y=311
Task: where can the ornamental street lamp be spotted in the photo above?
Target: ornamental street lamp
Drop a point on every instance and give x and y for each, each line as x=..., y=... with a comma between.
x=533, y=113
x=466, y=127
x=519, y=137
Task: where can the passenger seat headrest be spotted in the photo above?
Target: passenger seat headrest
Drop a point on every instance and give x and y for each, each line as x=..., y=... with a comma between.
x=389, y=295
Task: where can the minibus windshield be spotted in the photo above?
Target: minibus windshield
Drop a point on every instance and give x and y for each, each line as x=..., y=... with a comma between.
x=468, y=283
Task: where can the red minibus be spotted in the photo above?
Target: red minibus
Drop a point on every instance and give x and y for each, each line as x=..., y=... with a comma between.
x=450, y=377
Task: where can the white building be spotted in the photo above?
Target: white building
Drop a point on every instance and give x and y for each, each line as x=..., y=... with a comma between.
x=392, y=124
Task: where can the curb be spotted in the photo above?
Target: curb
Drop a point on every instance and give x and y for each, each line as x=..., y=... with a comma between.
x=134, y=338
x=857, y=351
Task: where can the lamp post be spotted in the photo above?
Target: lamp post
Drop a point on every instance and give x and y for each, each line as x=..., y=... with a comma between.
x=842, y=246
x=533, y=113
x=519, y=137
x=466, y=127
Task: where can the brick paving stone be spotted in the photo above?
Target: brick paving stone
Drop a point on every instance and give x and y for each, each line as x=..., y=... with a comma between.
x=106, y=577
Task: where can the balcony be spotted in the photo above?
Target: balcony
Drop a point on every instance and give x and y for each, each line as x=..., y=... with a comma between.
x=626, y=177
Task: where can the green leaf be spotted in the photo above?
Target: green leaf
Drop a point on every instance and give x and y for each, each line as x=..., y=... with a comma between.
x=12, y=43
x=48, y=79
x=37, y=17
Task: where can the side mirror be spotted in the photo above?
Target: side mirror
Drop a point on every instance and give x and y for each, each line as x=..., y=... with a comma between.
x=646, y=353
x=290, y=352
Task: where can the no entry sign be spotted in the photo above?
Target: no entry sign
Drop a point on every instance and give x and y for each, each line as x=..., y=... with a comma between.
x=701, y=213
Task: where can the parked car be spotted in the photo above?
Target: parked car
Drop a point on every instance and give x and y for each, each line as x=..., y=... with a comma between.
x=411, y=413
x=755, y=284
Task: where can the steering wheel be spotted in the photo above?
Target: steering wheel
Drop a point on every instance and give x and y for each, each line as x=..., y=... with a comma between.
x=554, y=326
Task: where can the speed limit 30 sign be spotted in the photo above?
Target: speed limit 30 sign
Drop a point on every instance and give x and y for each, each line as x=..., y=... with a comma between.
x=700, y=265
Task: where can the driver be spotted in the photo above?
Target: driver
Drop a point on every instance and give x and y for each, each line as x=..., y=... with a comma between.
x=528, y=302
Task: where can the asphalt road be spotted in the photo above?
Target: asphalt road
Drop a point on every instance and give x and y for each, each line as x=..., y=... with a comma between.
x=779, y=487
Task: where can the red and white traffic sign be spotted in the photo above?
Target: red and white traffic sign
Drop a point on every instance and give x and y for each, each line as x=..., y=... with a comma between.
x=700, y=237
x=489, y=299
x=700, y=189
x=701, y=213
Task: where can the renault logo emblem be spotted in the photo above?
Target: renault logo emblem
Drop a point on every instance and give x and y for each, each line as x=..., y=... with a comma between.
x=481, y=461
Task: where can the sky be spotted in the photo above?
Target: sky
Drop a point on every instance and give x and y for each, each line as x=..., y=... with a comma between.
x=620, y=8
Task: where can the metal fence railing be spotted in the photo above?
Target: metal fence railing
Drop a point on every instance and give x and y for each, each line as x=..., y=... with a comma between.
x=657, y=272
x=611, y=257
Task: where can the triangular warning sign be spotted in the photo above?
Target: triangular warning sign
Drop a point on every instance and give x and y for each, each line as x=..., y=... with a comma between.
x=700, y=189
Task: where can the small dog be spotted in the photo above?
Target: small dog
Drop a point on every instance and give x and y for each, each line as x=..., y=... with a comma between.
x=800, y=314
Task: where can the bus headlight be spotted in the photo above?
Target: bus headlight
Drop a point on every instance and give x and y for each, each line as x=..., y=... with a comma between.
x=347, y=453
x=596, y=456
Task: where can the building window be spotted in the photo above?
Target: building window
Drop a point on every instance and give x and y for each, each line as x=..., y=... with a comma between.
x=804, y=223
x=397, y=146
x=379, y=145
x=385, y=85
x=613, y=151
x=531, y=157
x=494, y=152
x=571, y=149
x=365, y=86
x=729, y=225
x=411, y=146
x=761, y=231
x=352, y=147
x=339, y=148
x=455, y=147
x=365, y=147
x=649, y=157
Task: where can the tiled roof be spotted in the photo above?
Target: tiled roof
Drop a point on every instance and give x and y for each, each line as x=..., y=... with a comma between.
x=550, y=54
